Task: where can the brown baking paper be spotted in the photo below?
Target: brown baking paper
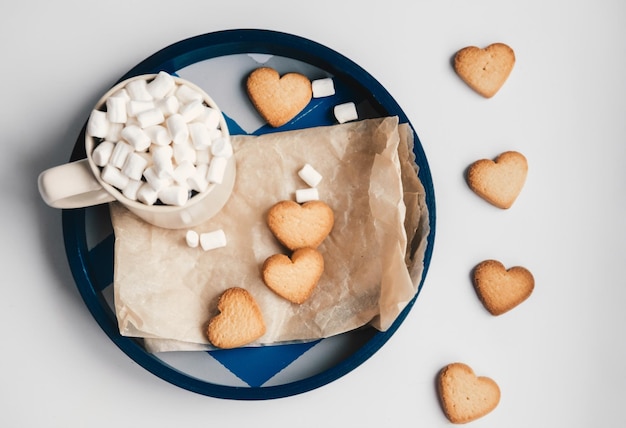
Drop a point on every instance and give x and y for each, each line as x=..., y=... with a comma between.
x=166, y=292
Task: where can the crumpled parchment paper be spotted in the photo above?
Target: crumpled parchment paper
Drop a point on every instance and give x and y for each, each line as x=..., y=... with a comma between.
x=166, y=292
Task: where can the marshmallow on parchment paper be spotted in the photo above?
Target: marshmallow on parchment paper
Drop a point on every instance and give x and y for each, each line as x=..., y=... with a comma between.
x=213, y=240
x=309, y=175
x=306, y=195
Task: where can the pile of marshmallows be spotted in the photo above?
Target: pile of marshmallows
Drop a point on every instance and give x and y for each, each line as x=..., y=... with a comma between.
x=159, y=141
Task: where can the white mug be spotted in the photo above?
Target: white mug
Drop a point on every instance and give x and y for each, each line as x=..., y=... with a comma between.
x=79, y=184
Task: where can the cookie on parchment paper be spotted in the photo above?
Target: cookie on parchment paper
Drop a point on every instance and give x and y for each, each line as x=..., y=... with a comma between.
x=298, y=226
x=294, y=278
x=239, y=321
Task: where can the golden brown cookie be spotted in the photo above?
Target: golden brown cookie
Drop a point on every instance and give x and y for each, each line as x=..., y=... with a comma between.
x=465, y=397
x=298, y=226
x=501, y=289
x=294, y=278
x=239, y=322
x=499, y=181
x=278, y=99
x=485, y=70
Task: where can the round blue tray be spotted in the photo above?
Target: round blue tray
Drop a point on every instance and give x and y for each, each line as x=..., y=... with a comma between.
x=246, y=373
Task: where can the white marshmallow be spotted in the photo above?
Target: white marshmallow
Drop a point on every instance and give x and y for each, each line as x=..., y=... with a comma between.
x=159, y=135
x=192, y=110
x=136, y=107
x=308, y=194
x=162, y=161
x=166, y=149
x=102, y=153
x=174, y=195
x=138, y=90
x=345, y=112
x=178, y=129
x=184, y=152
x=162, y=84
x=151, y=117
x=185, y=94
x=136, y=137
x=203, y=157
x=131, y=189
x=132, y=121
x=199, y=134
x=98, y=124
x=123, y=94
x=215, y=134
x=222, y=147
x=310, y=176
x=153, y=179
x=119, y=154
x=213, y=240
x=147, y=156
x=147, y=194
x=114, y=177
x=116, y=110
x=192, y=238
x=114, y=133
x=198, y=180
x=183, y=171
x=169, y=105
x=134, y=166
x=216, y=171
x=210, y=117
x=323, y=87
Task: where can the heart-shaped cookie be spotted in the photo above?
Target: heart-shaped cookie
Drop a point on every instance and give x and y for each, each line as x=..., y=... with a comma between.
x=298, y=226
x=464, y=396
x=501, y=289
x=278, y=99
x=499, y=181
x=485, y=70
x=239, y=322
x=294, y=278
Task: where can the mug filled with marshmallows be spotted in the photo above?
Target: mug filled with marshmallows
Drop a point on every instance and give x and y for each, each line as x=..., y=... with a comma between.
x=157, y=144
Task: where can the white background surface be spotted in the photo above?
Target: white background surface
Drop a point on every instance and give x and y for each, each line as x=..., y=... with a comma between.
x=558, y=357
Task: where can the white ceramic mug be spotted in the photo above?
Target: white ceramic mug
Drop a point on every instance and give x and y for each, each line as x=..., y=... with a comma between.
x=78, y=184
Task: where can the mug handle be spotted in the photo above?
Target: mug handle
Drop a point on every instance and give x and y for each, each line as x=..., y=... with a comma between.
x=72, y=185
